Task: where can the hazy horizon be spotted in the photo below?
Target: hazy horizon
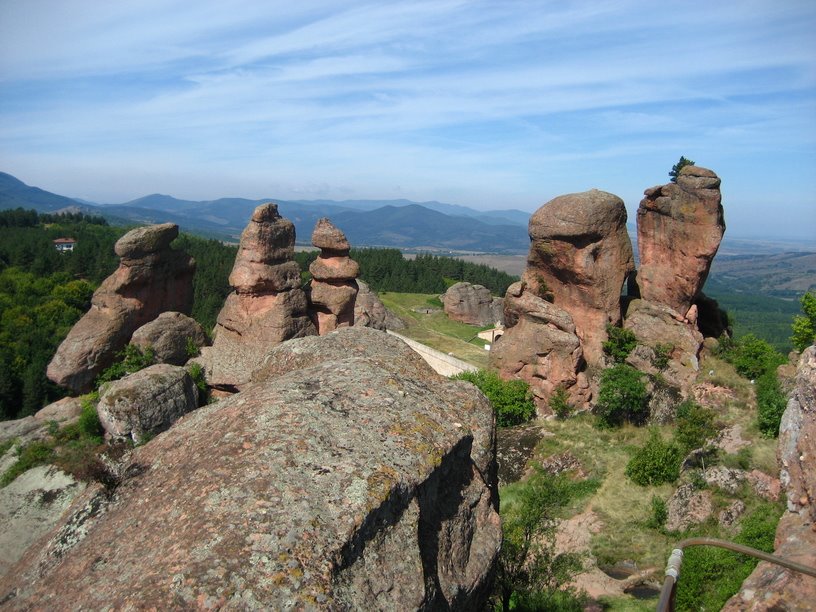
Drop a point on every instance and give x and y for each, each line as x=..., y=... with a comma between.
x=481, y=104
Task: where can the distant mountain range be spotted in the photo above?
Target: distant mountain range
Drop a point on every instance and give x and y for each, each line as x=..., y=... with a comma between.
x=432, y=226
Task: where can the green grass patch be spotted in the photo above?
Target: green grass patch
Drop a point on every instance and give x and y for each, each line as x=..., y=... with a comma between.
x=436, y=329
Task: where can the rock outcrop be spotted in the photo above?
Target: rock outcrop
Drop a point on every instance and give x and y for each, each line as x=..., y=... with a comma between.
x=333, y=289
x=152, y=278
x=539, y=346
x=172, y=336
x=146, y=402
x=369, y=311
x=680, y=226
x=267, y=305
x=655, y=325
x=580, y=253
x=771, y=587
x=63, y=412
x=473, y=304
x=349, y=476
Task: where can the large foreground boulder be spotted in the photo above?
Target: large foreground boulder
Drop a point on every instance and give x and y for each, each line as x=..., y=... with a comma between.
x=473, y=304
x=353, y=478
x=267, y=305
x=771, y=587
x=580, y=255
x=680, y=226
x=152, y=278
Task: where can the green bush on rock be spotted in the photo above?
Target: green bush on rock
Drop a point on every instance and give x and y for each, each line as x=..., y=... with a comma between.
x=512, y=400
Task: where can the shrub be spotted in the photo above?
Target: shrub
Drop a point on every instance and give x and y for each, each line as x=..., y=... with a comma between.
x=620, y=343
x=512, y=400
x=197, y=374
x=131, y=359
x=559, y=403
x=710, y=576
x=89, y=425
x=662, y=355
x=804, y=327
x=655, y=463
x=676, y=168
x=771, y=403
x=659, y=513
x=694, y=425
x=753, y=357
x=31, y=455
x=622, y=397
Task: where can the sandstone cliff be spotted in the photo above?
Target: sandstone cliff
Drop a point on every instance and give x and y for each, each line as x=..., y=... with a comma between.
x=347, y=476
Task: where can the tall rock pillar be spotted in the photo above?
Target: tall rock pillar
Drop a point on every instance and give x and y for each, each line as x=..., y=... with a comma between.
x=333, y=289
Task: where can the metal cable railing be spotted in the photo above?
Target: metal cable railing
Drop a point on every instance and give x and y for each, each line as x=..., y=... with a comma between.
x=667, y=594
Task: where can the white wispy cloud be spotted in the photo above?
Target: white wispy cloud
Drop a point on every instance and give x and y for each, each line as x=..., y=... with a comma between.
x=478, y=100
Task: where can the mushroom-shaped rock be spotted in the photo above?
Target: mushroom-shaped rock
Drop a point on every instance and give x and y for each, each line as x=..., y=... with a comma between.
x=267, y=307
x=680, y=227
x=172, y=336
x=152, y=278
x=580, y=254
x=355, y=479
x=333, y=289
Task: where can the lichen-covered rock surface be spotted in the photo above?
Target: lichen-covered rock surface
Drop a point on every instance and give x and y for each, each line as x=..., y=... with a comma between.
x=580, y=253
x=267, y=305
x=172, y=336
x=151, y=278
x=473, y=304
x=353, y=478
x=146, y=402
x=771, y=587
x=680, y=227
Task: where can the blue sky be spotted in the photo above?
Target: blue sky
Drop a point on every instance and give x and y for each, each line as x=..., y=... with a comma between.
x=493, y=104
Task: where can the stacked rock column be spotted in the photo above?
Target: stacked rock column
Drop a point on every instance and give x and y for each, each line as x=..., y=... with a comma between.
x=333, y=288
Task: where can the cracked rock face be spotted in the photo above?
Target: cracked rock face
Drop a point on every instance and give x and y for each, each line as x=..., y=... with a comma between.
x=333, y=290
x=680, y=227
x=152, y=278
x=267, y=305
x=347, y=476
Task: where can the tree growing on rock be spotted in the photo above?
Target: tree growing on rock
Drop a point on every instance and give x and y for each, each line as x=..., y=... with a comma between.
x=804, y=327
x=676, y=168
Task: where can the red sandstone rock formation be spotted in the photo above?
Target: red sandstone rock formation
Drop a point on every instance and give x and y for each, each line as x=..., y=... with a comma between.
x=267, y=305
x=171, y=335
x=152, y=278
x=580, y=254
x=680, y=226
x=539, y=346
x=334, y=287
x=473, y=304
